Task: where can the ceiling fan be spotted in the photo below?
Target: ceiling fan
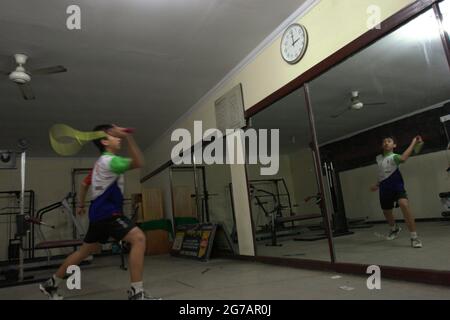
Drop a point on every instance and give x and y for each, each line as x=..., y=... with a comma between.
x=356, y=104
x=23, y=77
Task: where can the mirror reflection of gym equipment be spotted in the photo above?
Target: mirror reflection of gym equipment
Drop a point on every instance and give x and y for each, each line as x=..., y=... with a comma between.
x=287, y=209
x=277, y=210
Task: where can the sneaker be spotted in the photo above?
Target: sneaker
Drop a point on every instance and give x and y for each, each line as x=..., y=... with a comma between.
x=416, y=243
x=394, y=234
x=141, y=295
x=49, y=289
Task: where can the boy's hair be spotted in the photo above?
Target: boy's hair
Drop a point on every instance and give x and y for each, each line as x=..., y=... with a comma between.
x=98, y=142
x=389, y=137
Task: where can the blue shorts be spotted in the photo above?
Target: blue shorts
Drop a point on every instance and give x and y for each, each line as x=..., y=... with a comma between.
x=116, y=227
x=389, y=198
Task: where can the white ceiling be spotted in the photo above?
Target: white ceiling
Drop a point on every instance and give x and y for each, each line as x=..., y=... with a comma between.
x=139, y=63
x=406, y=69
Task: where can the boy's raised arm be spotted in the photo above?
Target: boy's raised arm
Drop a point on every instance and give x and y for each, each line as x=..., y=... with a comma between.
x=410, y=149
x=137, y=159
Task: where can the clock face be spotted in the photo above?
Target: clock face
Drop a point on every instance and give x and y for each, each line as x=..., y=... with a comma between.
x=294, y=43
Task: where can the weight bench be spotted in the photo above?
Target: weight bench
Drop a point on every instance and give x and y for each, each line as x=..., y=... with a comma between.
x=47, y=245
x=58, y=244
x=297, y=218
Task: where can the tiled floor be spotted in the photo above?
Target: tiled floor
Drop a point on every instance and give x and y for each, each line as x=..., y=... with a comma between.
x=179, y=279
x=365, y=247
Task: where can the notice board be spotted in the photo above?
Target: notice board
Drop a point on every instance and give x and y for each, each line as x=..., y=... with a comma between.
x=194, y=241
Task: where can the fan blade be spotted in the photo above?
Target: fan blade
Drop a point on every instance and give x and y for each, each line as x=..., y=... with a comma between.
x=27, y=92
x=49, y=70
x=375, y=104
x=340, y=113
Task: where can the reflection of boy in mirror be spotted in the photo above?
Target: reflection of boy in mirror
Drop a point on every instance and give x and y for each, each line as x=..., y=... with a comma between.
x=392, y=189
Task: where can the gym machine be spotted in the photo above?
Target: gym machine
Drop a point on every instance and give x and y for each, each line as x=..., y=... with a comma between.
x=280, y=210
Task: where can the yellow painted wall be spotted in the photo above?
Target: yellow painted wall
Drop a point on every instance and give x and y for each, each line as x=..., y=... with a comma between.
x=331, y=24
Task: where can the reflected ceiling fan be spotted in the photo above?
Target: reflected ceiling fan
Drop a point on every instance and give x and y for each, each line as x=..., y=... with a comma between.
x=23, y=77
x=356, y=104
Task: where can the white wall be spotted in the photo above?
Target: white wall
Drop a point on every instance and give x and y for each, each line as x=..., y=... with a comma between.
x=304, y=179
x=424, y=176
x=50, y=178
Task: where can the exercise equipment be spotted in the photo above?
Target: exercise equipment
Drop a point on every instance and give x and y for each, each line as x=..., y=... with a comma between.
x=277, y=206
x=54, y=244
x=21, y=226
x=336, y=203
x=16, y=245
x=9, y=208
x=200, y=189
x=270, y=197
x=26, y=225
x=67, y=141
x=17, y=248
x=275, y=213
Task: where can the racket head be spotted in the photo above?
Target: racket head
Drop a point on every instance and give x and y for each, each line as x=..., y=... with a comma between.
x=67, y=141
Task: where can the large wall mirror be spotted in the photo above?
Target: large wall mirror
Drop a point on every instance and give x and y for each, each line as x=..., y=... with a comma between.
x=286, y=209
x=368, y=111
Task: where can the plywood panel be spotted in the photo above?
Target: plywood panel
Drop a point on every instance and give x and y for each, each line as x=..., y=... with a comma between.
x=152, y=204
x=184, y=204
x=157, y=242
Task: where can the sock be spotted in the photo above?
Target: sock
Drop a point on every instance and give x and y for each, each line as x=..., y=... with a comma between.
x=137, y=286
x=413, y=235
x=56, y=280
x=394, y=227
